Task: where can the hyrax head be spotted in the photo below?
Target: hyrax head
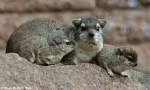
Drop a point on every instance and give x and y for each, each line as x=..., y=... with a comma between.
x=88, y=33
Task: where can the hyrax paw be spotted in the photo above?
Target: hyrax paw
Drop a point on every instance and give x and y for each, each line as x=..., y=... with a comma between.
x=110, y=73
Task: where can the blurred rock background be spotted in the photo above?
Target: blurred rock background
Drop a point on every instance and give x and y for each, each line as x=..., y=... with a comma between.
x=128, y=21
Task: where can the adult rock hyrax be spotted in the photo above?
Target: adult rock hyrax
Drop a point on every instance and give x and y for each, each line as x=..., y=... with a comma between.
x=41, y=41
x=89, y=48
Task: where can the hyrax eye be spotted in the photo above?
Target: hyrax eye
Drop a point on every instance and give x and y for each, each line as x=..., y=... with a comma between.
x=83, y=26
x=97, y=26
x=97, y=29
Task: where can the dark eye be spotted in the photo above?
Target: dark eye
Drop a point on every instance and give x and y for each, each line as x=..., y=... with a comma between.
x=97, y=28
x=83, y=28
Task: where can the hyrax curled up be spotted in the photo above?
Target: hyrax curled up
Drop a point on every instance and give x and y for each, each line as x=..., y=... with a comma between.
x=41, y=41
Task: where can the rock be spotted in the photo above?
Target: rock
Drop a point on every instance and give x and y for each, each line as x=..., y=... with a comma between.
x=143, y=56
x=45, y=5
x=16, y=72
x=145, y=29
x=127, y=26
x=134, y=34
x=2, y=43
x=119, y=4
x=145, y=2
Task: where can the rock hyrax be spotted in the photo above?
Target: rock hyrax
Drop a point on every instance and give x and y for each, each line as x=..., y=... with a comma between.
x=41, y=41
x=89, y=48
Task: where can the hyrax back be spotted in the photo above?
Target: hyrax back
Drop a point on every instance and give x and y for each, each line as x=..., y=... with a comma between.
x=116, y=59
x=41, y=41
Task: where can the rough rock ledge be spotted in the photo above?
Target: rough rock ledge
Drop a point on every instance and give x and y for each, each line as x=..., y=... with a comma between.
x=18, y=73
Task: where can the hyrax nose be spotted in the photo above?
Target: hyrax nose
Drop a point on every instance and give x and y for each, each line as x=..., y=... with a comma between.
x=91, y=34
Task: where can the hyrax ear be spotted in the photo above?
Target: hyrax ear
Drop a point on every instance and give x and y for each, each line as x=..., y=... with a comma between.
x=76, y=22
x=102, y=22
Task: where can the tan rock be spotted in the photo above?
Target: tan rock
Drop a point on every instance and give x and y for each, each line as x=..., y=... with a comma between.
x=119, y=4
x=145, y=2
x=16, y=72
x=45, y=5
x=143, y=56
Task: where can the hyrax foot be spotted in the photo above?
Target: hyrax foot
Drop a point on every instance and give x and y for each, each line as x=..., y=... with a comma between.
x=70, y=59
x=110, y=73
x=70, y=62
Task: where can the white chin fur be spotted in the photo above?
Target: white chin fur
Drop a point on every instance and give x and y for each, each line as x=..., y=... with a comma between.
x=86, y=53
x=99, y=42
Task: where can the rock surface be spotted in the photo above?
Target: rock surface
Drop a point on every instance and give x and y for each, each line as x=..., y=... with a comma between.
x=16, y=72
x=45, y=5
x=143, y=56
x=62, y=5
x=109, y=4
x=145, y=2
